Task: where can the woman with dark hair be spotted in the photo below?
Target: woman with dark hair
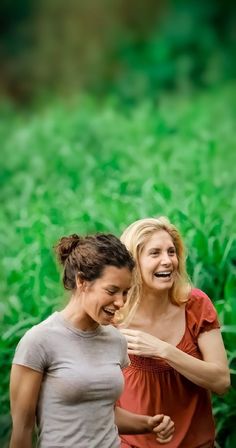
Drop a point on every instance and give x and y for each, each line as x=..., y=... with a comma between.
x=66, y=371
x=174, y=341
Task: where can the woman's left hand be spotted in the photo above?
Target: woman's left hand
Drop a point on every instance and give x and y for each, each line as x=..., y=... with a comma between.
x=144, y=344
x=163, y=427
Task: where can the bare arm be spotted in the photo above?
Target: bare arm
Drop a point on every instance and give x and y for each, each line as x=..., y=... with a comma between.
x=130, y=423
x=211, y=372
x=24, y=390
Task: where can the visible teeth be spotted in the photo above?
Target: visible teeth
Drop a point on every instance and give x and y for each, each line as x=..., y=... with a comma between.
x=162, y=274
x=108, y=310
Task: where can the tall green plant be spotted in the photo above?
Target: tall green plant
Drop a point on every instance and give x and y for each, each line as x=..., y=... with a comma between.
x=87, y=167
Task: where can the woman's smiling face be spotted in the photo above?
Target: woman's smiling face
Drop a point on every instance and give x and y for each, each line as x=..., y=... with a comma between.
x=106, y=295
x=158, y=261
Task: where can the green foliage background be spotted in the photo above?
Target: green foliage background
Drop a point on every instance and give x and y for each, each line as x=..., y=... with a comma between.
x=112, y=111
x=87, y=167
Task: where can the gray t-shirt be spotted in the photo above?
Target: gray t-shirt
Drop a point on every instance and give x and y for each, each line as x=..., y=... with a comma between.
x=81, y=382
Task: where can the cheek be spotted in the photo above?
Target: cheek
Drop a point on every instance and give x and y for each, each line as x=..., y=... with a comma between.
x=91, y=305
x=146, y=269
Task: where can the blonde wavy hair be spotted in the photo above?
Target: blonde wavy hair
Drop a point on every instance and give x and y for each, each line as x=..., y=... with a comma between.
x=134, y=237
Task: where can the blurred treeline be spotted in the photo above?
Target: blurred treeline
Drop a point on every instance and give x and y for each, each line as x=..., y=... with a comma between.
x=134, y=48
x=88, y=165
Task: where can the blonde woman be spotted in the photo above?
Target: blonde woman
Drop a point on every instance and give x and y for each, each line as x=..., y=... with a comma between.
x=174, y=340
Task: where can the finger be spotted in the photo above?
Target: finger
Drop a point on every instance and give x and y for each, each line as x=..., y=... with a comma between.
x=133, y=351
x=127, y=332
x=138, y=353
x=163, y=441
x=157, y=419
x=164, y=426
x=131, y=339
x=167, y=433
x=153, y=422
x=132, y=346
x=160, y=428
x=166, y=436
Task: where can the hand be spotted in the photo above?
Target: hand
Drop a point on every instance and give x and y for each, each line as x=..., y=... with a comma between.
x=162, y=426
x=144, y=344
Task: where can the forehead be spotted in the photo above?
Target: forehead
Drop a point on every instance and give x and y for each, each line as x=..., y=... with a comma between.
x=116, y=276
x=157, y=239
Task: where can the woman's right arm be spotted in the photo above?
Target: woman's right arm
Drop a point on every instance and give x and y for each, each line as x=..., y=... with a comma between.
x=129, y=423
x=24, y=391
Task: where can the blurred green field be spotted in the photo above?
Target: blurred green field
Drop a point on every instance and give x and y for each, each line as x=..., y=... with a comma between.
x=88, y=166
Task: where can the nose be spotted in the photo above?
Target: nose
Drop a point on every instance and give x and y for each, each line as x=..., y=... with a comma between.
x=165, y=259
x=119, y=300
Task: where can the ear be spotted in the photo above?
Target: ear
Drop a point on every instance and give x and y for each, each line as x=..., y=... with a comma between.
x=81, y=283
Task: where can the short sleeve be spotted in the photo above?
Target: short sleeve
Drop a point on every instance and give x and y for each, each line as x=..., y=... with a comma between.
x=201, y=313
x=31, y=351
x=125, y=361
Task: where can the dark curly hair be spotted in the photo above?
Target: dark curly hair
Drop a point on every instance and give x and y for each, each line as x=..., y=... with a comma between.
x=89, y=255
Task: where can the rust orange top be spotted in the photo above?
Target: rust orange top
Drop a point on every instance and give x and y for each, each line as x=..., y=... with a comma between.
x=152, y=387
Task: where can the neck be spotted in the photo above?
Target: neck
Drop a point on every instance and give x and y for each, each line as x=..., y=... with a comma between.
x=74, y=313
x=154, y=304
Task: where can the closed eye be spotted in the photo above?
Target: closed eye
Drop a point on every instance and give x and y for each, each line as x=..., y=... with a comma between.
x=125, y=293
x=154, y=252
x=110, y=292
x=172, y=251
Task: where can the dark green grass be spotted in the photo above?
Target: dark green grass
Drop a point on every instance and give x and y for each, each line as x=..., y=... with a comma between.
x=86, y=167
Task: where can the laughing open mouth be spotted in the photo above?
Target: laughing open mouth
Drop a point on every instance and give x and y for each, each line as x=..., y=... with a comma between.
x=163, y=274
x=109, y=311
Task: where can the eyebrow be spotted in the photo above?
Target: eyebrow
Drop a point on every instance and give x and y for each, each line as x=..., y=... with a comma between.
x=116, y=288
x=159, y=248
x=113, y=287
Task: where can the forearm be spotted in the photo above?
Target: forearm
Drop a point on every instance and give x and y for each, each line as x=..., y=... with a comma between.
x=129, y=423
x=209, y=375
x=21, y=438
x=210, y=372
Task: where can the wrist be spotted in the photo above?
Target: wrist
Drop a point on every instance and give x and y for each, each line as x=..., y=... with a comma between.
x=164, y=352
x=167, y=351
x=147, y=423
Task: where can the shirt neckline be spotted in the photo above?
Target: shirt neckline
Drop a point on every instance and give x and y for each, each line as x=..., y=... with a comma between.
x=69, y=326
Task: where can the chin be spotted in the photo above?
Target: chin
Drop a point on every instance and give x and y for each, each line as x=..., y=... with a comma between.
x=106, y=322
x=164, y=286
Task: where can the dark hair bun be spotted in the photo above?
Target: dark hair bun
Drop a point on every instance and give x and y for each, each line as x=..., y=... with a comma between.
x=65, y=246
